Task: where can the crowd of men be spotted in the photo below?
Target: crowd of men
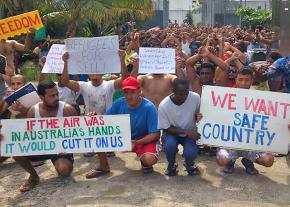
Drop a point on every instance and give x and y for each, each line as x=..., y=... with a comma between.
x=163, y=108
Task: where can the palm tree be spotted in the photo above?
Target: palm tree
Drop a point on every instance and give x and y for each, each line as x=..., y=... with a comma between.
x=78, y=11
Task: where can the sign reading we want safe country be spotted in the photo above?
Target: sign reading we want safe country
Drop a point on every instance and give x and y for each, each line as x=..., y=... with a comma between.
x=56, y=135
x=245, y=119
x=19, y=24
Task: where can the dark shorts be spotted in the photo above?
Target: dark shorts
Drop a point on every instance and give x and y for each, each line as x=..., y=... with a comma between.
x=53, y=158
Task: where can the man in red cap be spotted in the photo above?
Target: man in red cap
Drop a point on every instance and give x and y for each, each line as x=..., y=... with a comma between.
x=143, y=119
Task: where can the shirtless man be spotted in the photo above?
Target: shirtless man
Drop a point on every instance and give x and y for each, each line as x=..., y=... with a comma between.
x=17, y=81
x=155, y=87
x=7, y=47
x=49, y=107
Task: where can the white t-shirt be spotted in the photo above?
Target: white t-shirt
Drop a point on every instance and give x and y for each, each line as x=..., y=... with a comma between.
x=97, y=98
x=181, y=116
x=185, y=48
x=67, y=95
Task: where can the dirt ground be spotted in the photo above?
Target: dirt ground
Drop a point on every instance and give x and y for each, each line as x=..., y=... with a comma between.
x=127, y=186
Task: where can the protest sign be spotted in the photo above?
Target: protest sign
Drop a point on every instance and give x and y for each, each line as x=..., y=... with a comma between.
x=245, y=119
x=156, y=60
x=54, y=62
x=26, y=95
x=96, y=55
x=78, y=134
x=19, y=24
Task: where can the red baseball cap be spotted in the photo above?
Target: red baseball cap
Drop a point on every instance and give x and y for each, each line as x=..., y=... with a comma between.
x=130, y=83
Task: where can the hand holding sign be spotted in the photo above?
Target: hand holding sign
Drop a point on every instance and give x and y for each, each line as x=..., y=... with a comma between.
x=96, y=55
x=19, y=24
x=251, y=120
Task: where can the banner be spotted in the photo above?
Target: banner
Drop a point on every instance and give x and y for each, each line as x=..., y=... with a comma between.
x=56, y=135
x=96, y=55
x=19, y=24
x=245, y=119
x=156, y=60
x=54, y=62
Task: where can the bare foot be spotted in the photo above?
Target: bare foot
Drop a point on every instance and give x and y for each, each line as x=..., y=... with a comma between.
x=29, y=184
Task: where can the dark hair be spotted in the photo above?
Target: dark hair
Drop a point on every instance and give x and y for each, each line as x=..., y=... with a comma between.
x=259, y=27
x=275, y=55
x=43, y=85
x=180, y=83
x=207, y=65
x=241, y=46
x=246, y=70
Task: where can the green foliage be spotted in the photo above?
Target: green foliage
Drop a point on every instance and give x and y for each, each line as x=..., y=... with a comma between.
x=251, y=16
x=188, y=18
x=76, y=13
x=31, y=71
x=91, y=29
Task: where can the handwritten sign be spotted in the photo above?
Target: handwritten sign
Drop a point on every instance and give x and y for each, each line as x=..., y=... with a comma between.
x=55, y=135
x=19, y=24
x=96, y=55
x=156, y=60
x=245, y=119
x=54, y=62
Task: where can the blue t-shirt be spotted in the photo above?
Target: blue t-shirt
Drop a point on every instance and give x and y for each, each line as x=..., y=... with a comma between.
x=281, y=66
x=143, y=119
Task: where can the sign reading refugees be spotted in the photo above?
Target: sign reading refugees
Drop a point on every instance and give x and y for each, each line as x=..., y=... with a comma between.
x=19, y=24
x=54, y=62
x=56, y=135
x=96, y=55
x=156, y=60
x=245, y=119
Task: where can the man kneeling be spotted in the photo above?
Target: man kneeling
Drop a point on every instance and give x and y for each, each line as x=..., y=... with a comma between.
x=177, y=116
x=143, y=120
x=228, y=157
x=50, y=106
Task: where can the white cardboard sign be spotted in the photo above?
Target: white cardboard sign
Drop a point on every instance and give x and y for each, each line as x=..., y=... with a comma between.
x=156, y=60
x=96, y=55
x=245, y=119
x=78, y=134
x=54, y=62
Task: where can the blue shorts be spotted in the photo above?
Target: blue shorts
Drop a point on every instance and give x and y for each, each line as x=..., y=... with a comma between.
x=53, y=158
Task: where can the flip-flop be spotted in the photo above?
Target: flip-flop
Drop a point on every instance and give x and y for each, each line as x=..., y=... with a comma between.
x=94, y=173
x=90, y=154
x=28, y=185
x=147, y=170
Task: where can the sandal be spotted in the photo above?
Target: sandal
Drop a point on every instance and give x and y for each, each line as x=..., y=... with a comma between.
x=28, y=185
x=90, y=154
x=94, y=173
x=147, y=170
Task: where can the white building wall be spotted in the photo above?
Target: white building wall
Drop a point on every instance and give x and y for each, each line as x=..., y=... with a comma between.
x=179, y=8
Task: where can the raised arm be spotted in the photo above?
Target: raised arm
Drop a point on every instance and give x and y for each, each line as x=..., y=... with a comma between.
x=124, y=71
x=71, y=84
x=192, y=75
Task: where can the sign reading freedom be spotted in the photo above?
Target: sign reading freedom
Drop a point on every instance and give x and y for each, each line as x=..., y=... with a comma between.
x=245, y=119
x=93, y=55
x=56, y=135
x=19, y=24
